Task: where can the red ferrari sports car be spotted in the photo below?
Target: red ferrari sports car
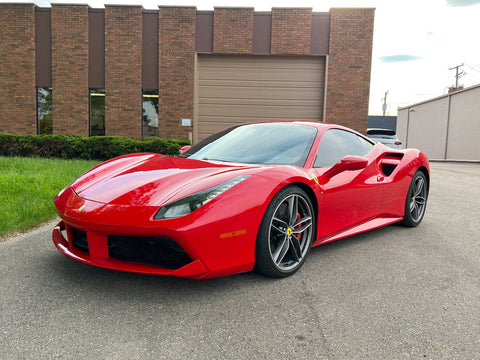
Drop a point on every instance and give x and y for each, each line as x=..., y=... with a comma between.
x=255, y=196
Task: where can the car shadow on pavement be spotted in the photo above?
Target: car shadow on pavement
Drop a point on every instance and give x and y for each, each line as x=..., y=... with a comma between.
x=78, y=275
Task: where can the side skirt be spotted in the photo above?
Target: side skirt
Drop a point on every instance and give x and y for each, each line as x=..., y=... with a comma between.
x=366, y=226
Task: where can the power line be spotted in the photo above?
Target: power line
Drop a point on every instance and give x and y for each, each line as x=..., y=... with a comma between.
x=472, y=67
x=472, y=76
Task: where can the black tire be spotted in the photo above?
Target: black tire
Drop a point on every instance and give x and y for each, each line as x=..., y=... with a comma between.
x=416, y=201
x=286, y=233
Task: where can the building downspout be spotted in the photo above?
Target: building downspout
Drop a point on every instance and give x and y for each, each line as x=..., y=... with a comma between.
x=448, y=125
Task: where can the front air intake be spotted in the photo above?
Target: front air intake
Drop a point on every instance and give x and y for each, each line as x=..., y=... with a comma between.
x=157, y=251
x=79, y=240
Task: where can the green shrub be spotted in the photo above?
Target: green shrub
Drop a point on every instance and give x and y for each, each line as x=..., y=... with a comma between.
x=83, y=147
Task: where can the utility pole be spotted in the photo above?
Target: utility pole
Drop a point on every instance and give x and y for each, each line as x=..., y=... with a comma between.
x=384, y=107
x=457, y=75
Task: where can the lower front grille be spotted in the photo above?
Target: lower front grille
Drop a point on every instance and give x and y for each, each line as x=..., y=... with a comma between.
x=79, y=240
x=157, y=251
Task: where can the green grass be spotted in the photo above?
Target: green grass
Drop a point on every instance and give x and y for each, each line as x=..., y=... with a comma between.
x=28, y=186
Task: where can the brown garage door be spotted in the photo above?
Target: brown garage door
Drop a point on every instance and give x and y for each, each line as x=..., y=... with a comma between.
x=237, y=89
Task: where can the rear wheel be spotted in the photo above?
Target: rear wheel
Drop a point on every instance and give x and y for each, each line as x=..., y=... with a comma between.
x=416, y=201
x=286, y=233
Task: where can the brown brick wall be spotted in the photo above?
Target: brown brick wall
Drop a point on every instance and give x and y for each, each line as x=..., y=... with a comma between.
x=70, y=69
x=176, y=69
x=233, y=30
x=349, y=65
x=123, y=70
x=291, y=31
x=17, y=69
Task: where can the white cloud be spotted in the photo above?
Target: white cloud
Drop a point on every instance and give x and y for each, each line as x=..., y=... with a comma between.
x=462, y=2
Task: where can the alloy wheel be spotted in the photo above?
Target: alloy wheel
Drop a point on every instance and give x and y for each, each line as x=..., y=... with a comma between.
x=418, y=198
x=290, y=232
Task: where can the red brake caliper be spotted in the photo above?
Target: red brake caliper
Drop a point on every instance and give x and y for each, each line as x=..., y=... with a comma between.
x=298, y=235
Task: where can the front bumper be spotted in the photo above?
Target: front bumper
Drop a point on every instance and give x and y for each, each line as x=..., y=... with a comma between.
x=211, y=239
x=99, y=256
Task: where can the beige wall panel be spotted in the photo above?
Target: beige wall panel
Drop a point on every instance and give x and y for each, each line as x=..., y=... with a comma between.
x=402, y=119
x=257, y=92
x=427, y=128
x=263, y=101
x=238, y=89
x=249, y=82
x=263, y=111
x=260, y=74
x=255, y=61
x=464, y=126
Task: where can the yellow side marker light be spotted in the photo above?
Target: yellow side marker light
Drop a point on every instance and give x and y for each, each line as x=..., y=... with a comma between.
x=234, y=233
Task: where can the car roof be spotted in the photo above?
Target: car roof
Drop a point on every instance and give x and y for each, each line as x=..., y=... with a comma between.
x=321, y=125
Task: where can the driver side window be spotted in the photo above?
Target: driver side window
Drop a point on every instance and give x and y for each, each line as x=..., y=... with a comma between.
x=338, y=143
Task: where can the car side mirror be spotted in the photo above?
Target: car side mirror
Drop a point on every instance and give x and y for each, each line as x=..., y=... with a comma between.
x=348, y=163
x=183, y=149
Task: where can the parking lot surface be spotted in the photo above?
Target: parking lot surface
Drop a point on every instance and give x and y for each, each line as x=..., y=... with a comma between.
x=391, y=293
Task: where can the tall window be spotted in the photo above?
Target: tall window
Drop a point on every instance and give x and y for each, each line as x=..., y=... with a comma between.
x=44, y=110
x=97, y=112
x=150, y=113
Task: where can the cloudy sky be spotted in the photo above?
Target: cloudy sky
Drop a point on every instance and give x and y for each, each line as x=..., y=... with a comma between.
x=415, y=42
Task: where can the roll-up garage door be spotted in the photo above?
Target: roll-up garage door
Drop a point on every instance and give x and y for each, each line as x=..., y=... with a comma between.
x=238, y=89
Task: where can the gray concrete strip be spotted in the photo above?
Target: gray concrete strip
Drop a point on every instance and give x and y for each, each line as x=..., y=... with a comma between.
x=18, y=234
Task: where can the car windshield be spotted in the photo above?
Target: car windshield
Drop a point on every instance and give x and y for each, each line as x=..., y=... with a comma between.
x=262, y=143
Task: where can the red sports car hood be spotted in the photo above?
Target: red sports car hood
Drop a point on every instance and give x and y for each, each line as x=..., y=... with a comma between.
x=152, y=179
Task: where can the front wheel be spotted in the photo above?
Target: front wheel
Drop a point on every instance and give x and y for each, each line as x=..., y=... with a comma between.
x=286, y=233
x=416, y=201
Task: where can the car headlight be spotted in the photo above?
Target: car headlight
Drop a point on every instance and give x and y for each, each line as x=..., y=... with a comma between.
x=191, y=203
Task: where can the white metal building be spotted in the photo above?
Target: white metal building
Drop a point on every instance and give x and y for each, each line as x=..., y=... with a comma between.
x=444, y=128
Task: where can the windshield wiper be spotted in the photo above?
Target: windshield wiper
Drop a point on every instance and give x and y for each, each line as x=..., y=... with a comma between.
x=207, y=159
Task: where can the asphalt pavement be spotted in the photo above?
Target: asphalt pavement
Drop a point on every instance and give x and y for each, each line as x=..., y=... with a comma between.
x=391, y=293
